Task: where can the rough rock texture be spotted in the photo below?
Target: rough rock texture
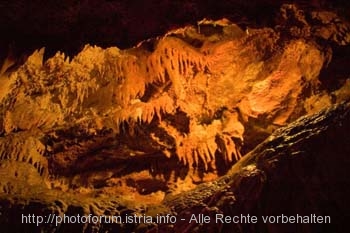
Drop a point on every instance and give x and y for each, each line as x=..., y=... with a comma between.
x=117, y=132
x=68, y=25
x=294, y=171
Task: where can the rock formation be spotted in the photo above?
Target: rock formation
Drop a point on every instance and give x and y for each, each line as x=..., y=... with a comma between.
x=118, y=132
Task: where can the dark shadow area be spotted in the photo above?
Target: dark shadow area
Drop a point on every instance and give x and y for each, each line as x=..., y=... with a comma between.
x=68, y=25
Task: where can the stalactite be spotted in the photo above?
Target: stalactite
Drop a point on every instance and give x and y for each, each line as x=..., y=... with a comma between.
x=201, y=143
x=247, y=73
x=24, y=148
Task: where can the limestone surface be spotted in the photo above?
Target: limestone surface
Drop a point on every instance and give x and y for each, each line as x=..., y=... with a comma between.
x=118, y=132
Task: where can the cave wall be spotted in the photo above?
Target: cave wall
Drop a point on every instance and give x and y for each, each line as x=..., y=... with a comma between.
x=117, y=131
x=69, y=25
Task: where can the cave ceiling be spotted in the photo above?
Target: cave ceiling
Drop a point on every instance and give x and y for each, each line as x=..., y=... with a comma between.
x=140, y=103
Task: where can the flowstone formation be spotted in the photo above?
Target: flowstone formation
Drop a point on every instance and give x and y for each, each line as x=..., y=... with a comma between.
x=129, y=128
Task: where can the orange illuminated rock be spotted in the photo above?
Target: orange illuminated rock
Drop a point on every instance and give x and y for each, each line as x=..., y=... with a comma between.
x=185, y=106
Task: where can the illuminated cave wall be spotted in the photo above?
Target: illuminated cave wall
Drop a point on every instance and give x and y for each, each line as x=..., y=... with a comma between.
x=152, y=120
x=201, y=95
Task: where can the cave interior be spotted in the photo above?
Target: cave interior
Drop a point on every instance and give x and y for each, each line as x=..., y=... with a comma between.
x=180, y=109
